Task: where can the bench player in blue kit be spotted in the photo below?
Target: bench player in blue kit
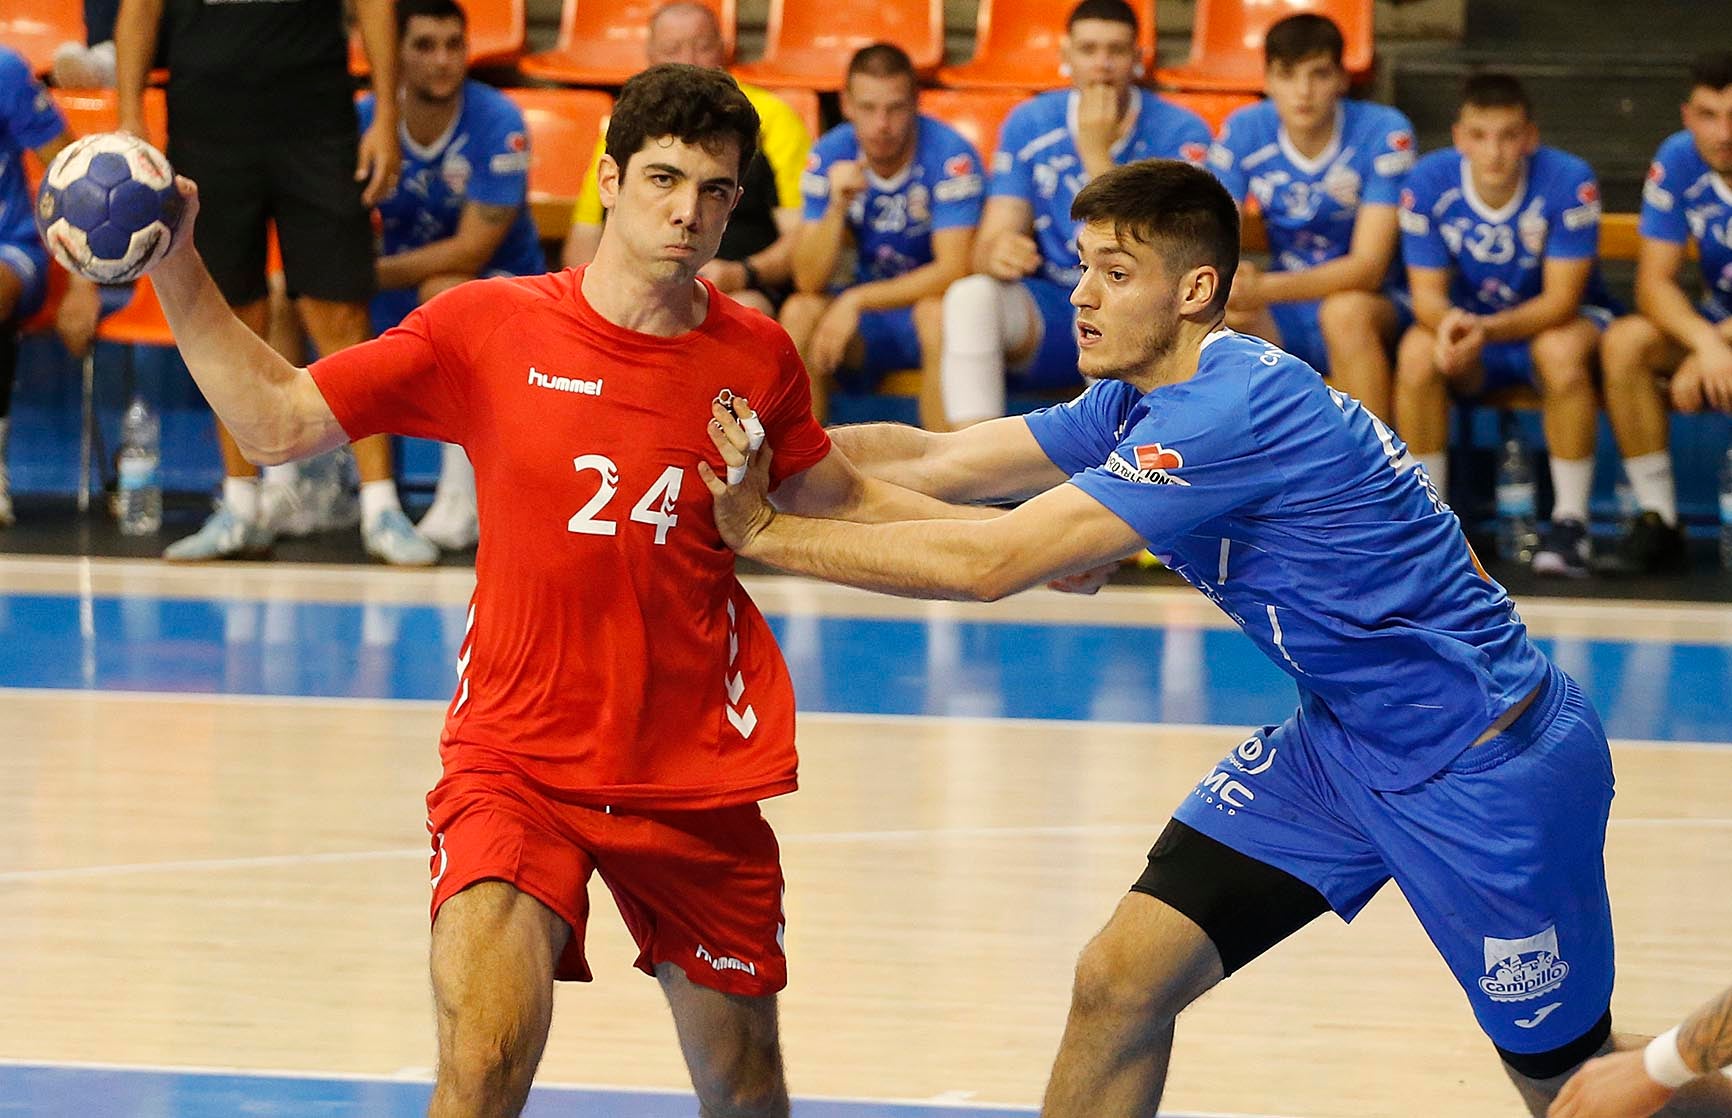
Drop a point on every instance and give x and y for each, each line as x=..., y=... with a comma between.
x=1433, y=743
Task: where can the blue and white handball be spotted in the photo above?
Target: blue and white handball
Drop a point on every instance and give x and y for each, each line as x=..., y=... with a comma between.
x=108, y=208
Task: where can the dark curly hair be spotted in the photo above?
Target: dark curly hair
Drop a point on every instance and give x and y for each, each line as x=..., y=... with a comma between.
x=690, y=103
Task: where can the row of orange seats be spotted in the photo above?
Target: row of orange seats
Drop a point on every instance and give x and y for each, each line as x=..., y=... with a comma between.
x=601, y=42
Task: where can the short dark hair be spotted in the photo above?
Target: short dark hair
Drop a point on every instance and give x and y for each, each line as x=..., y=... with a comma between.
x=431, y=9
x=1115, y=10
x=1495, y=90
x=1182, y=210
x=693, y=104
x=1711, y=70
x=882, y=60
x=1298, y=37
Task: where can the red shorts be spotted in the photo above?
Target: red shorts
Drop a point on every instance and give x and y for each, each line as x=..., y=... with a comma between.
x=699, y=889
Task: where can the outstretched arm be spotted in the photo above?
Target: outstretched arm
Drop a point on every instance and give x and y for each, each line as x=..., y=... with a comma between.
x=1060, y=533
x=274, y=410
x=999, y=460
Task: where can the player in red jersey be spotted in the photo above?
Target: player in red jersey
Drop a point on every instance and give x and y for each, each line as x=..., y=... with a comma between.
x=622, y=706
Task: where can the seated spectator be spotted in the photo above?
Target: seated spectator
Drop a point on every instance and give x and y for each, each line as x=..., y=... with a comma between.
x=29, y=121
x=753, y=265
x=1685, y=199
x=901, y=191
x=1015, y=317
x=1326, y=173
x=459, y=209
x=1501, y=237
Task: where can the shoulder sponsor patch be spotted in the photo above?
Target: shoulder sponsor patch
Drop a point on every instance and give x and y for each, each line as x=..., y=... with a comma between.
x=1393, y=163
x=959, y=164
x=1151, y=468
x=1220, y=155
x=509, y=163
x=1194, y=152
x=958, y=188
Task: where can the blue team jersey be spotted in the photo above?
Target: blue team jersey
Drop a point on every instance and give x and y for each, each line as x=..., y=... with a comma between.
x=28, y=119
x=1309, y=205
x=893, y=219
x=1306, y=521
x=1497, y=256
x=1684, y=199
x=1037, y=161
x=483, y=157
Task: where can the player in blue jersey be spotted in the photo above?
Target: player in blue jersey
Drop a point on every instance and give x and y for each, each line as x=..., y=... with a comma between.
x=1326, y=173
x=1433, y=744
x=1501, y=238
x=1015, y=315
x=1687, y=198
x=459, y=209
x=29, y=121
x=902, y=191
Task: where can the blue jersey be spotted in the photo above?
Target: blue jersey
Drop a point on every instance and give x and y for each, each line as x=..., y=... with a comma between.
x=1309, y=205
x=28, y=119
x=483, y=157
x=893, y=219
x=1037, y=161
x=1497, y=256
x=1684, y=199
x=1306, y=521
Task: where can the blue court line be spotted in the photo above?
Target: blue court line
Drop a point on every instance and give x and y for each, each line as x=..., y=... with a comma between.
x=103, y=1092
x=1651, y=690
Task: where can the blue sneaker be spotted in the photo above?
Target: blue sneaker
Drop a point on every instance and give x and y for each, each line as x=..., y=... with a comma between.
x=1565, y=551
x=224, y=536
x=392, y=538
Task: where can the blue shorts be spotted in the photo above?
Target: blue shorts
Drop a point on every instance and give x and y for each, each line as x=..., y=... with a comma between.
x=29, y=262
x=890, y=340
x=1501, y=855
x=1301, y=327
x=1054, y=363
x=1509, y=364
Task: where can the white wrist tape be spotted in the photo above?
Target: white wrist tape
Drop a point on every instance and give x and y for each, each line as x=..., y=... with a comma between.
x=754, y=439
x=1664, y=1064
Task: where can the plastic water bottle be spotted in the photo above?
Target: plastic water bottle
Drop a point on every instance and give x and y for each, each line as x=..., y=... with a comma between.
x=140, y=479
x=1726, y=510
x=1517, y=522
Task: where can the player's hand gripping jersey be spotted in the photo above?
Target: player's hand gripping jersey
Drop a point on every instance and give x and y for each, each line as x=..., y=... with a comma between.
x=611, y=657
x=1685, y=199
x=1304, y=518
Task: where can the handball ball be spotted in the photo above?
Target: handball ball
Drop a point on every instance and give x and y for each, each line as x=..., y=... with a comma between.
x=108, y=209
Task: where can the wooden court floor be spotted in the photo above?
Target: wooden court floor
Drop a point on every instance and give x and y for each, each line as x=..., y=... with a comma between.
x=240, y=881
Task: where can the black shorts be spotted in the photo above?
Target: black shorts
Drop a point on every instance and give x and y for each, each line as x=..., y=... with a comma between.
x=306, y=185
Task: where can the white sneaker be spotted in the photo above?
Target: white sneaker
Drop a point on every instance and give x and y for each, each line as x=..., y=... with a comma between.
x=6, y=517
x=392, y=538
x=224, y=536
x=451, y=522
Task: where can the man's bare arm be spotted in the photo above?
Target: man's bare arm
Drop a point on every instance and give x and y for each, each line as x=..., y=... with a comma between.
x=999, y=460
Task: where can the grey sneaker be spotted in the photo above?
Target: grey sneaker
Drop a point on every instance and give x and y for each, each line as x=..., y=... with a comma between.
x=224, y=536
x=392, y=538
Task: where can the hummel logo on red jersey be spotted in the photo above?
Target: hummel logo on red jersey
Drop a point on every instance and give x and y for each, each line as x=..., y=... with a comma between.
x=565, y=384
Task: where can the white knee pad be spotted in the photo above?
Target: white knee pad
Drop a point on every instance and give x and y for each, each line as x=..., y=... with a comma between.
x=984, y=319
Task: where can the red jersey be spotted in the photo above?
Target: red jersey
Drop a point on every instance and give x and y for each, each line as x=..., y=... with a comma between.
x=611, y=655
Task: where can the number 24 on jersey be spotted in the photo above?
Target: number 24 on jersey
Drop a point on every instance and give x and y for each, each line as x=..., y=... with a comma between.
x=655, y=507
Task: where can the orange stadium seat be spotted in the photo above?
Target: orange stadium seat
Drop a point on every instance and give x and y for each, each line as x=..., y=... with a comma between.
x=495, y=35
x=976, y=113
x=1016, y=45
x=601, y=42
x=808, y=42
x=34, y=28
x=1227, y=40
x=1212, y=107
x=563, y=127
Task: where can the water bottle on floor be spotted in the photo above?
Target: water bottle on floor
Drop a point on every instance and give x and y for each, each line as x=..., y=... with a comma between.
x=140, y=480
x=1726, y=511
x=1517, y=521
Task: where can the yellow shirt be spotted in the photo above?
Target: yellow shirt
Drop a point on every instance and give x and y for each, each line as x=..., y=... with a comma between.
x=782, y=137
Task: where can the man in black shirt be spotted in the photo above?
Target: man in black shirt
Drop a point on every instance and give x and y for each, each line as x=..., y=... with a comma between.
x=261, y=115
